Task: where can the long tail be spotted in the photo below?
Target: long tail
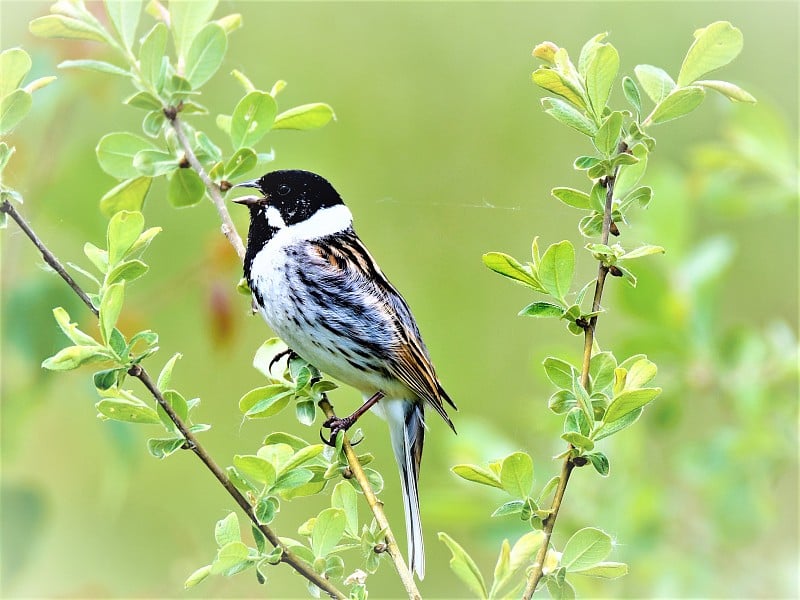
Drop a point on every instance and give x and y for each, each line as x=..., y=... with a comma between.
x=407, y=430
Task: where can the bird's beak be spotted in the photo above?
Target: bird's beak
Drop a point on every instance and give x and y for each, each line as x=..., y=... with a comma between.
x=249, y=200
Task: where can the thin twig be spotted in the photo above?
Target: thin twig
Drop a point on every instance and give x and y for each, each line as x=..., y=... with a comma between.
x=377, y=509
x=228, y=228
x=192, y=443
x=588, y=343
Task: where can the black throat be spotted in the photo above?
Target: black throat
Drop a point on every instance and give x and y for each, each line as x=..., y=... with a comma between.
x=260, y=233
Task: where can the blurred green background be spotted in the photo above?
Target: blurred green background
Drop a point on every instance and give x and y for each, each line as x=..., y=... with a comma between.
x=443, y=153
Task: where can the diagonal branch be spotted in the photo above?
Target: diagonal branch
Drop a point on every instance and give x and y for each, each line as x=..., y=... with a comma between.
x=377, y=509
x=588, y=343
x=191, y=443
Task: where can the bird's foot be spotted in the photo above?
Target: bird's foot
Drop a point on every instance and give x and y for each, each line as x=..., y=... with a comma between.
x=288, y=352
x=336, y=425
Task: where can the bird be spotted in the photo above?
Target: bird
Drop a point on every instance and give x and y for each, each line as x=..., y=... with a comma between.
x=321, y=291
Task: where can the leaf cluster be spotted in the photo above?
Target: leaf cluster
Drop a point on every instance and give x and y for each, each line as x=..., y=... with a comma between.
x=167, y=67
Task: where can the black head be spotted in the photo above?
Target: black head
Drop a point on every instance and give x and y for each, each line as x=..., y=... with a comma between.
x=297, y=195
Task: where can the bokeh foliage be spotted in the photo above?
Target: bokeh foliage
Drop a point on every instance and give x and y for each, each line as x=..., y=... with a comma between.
x=712, y=475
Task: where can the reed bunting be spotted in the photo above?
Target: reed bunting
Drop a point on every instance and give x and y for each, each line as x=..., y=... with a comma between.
x=320, y=290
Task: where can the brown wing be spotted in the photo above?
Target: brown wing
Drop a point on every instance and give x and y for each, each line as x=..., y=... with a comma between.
x=349, y=272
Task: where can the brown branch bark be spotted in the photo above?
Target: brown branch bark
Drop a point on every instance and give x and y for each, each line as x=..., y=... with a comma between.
x=192, y=443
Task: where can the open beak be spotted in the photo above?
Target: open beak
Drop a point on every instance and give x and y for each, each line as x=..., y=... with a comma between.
x=249, y=200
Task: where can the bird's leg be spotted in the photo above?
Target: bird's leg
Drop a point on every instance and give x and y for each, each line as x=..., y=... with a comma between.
x=288, y=352
x=337, y=424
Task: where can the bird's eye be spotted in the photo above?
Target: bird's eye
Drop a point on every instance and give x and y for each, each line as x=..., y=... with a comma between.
x=283, y=189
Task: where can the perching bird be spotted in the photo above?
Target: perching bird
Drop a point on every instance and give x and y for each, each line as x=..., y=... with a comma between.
x=320, y=290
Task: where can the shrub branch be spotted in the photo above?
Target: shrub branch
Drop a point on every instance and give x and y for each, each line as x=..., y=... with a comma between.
x=191, y=443
x=588, y=343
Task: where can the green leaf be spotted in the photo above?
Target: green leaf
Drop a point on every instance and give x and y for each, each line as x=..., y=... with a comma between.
x=570, y=116
x=13, y=109
x=608, y=429
x=232, y=556
x=94, y=65
x=559, y=588
x=15, y=64
x=306, y=412
x=502, y=568
x=601, y=71
x=464, y=567
x=576, y=422
x=242, y=161
x=560, y=372
x=206, y=54
x=252, y=119
x=122, y=409
x=727, y=89
x=585, y=549
x=110, y=307
x=477, y=475
x=629, y=401
x=127, y=271
x=714, y=46
x=71, y=330
x=581, y=395
x=289, y=480
x=115, y=153
x=640, y=372
x=185, y=188
x=153, y=123
x=508, y=266
x=163, y=447
x=655, y=82
x=599, y=462
x=188, y=18
x=127, y=196
x=124, y=229
x=601, y=371
x=303, y=455
x=679, y=103
x=562, y=401
x=145, y=101
x=73, y=357
x=305, y=117
x=571, y=197
x=344, y=497
x=553, y=81
x=606, y=570
x=165, y=376
x=513, y=507
x=583, y=163
x=631, y=91
x=256, y=469
x=59, y=26
x=143, y=241
x=557, y=268
x=328, y=530
x=266, y=509
x=124, y=14
x=227, y=530
x=179, y=406
x=265, y=401
x=154, y=162
x=516, y=474
x=578, y=440
x=151, y=56
x=644, y=250
x=607, y=138
x=196, y=577
x=541, y=309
